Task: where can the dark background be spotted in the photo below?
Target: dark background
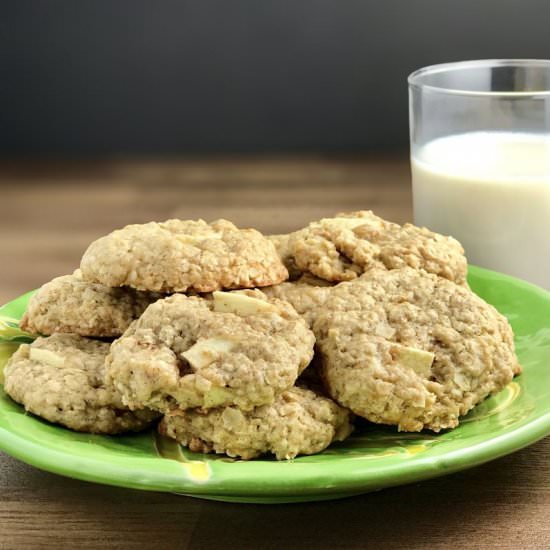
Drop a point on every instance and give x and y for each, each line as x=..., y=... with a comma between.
x=136, y=76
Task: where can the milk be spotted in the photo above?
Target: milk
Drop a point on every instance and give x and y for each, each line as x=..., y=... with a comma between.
x=491, y=191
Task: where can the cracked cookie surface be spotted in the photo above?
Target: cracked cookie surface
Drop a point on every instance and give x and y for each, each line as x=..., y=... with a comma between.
x=183, y=255
x=69, y=304
x=409, y=348
x=344, y=247
x=237, y=348
x=307, y=295
x=61, y=378
x=299, y=422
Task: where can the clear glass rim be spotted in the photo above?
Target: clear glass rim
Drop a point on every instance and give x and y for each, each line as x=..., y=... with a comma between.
x=415, y=79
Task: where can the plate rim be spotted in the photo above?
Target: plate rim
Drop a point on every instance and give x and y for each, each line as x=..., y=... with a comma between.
x=386, y=476
x=360, y=478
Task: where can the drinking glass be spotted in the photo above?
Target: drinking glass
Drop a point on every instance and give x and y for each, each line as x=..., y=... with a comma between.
x=480, y=160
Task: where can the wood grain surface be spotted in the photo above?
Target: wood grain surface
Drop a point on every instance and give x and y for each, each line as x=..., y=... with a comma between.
x=50, y=211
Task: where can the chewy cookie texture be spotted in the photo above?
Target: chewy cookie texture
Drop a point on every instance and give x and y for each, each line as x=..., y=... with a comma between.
x=409, y=348
x=179, y=256
x=62, y=379
x=216, y=329
x=307, y=295
x=237, y=348
x=299, y=421
x=344, y=247
x=69, y=304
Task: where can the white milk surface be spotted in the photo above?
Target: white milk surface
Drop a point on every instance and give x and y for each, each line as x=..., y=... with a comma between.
x=491, y=191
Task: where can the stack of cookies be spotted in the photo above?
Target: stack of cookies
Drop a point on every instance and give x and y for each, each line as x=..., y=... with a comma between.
x=209, y=328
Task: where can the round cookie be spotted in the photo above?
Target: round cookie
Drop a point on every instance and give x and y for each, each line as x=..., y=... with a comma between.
x=306, y=295
x=409, y=348
x=61, y=378
x=344, y=247
x=235, y=349
x=299, y=422
x=69, y=304
x=178, y=255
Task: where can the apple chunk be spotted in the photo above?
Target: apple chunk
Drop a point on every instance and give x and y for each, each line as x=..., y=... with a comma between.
x=241, y=304
x=418, y=360
x=217, y=397
x=46, y=356
x=206, y=351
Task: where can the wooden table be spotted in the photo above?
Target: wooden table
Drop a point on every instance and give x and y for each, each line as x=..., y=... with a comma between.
x=50, y=211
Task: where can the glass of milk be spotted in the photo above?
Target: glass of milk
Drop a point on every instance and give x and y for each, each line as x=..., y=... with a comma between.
x=480, y=158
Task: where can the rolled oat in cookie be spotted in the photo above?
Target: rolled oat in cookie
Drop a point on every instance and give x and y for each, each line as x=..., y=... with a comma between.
x=61, y=378
x=238, y=348
x=307, y=295
x=183, y=255
x=298, y=422
x=344, y=247
x=69, y=304
x=408, y=348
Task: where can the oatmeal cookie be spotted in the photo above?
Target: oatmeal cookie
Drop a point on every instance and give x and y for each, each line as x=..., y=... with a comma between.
x=61, y=378
x=299, y=422
x=409, y=348
x=344, y=247
x=235, y=349
x=69, y=304
x=307, y=295
x=178, y=255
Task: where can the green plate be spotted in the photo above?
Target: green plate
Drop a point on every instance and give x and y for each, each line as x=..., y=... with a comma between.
x=373, y=458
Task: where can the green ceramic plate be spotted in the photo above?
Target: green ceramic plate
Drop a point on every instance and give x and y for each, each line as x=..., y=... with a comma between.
x=371, y=459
